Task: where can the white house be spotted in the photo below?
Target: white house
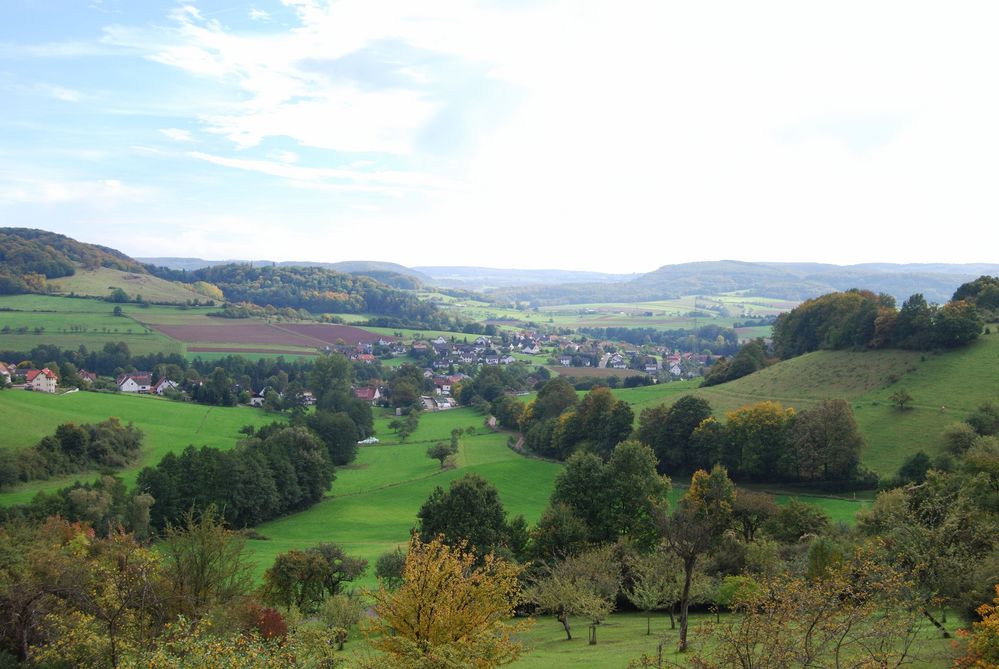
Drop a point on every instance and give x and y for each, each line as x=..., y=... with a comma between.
x=135, y=382
x=44, y=381
x=164, y=385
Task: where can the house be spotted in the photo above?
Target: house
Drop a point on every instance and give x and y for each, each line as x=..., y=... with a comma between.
x=5, y=375
x=443, y=385
x=507, y=360
x=44, y=381
x=308, y=399
x=439, y=340
x=565, y=360
x=531, y=348
x=164, y=385
x=367, y=394
x=87, y=377
x=366, y=358
x=135, y=382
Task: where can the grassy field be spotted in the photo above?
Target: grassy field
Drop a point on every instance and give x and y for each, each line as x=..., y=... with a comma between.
x=374, y=501
x=68, y=323
x=101, y=281
x=946, y=388
x=622, y=638
x=166, y=426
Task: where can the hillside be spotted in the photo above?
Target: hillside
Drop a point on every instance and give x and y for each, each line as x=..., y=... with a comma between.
x=484, y=278
x=29, y=258
x=99, y=282
x=946, y=387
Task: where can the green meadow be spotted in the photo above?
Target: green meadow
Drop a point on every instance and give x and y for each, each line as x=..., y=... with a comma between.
x=101, y=281
x=373, y=504
x=167, y=426
x=622, y=638
x=946, y=387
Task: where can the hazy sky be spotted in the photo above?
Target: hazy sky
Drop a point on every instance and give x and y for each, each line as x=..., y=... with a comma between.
x=609, y=135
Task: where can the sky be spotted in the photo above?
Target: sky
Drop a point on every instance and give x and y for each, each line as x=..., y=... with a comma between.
x=606, y=135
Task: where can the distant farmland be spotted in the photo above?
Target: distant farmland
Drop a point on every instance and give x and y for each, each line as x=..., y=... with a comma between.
x=264, y=337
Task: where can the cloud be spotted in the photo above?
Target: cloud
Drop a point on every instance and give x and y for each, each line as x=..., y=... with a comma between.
x=177, y=134
x=259, y=15
x=368, y=181
x=50, y=191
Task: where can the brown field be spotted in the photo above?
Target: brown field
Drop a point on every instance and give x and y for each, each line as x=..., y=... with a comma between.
x=234, y=350
x=254, y=332
x=329, y=333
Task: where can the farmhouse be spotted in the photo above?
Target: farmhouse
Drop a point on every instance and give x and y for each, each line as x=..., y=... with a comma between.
x=164, y=385
x=135, y=382
x=367, y=394
x=44, y=381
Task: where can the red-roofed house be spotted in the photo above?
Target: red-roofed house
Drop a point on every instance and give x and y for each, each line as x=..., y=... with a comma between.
x=136, y=382
x=368, y=394
x=44, y=381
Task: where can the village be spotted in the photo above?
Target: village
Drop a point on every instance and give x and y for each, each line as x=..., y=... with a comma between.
x=445, y=364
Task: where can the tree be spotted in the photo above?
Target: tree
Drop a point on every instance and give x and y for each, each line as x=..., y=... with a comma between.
x=109, y=603
x=560, y=532
x=858, y=615
x=668, y=430
x=826, y=442
x=469, y=514
x=304, y=578
x=441, y=451
x=389, y=568
x=900, y=399
x=204, y=563
x=752, y=509
x=338, y=432
x=580, y=585
x=758, y=432
x=654, y=583
x=450, y=612
x=983, y=640
x=695, y=526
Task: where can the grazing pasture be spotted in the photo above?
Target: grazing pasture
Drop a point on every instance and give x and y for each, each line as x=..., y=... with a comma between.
x=99, y=283
x=167, y=426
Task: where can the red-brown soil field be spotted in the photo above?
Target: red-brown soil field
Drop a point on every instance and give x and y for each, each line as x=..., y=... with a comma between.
x=313, y=335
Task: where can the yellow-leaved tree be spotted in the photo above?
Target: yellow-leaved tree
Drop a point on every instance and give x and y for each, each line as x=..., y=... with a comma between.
x=451, y=612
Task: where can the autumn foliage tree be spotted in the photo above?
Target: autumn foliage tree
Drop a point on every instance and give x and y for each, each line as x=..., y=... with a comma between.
x=450, y=611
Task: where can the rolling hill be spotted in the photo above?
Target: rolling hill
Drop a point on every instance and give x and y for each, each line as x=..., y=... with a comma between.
x=946, y=387
x=791, y=281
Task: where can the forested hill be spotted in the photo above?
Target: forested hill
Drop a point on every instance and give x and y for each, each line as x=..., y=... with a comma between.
x=792, y=281
x=29, y=257
x=315, y=289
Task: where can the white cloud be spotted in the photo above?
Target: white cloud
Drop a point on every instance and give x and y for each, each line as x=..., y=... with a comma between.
x=177, y=134
x=99, y=192
x=375, y=180
x=259, y=15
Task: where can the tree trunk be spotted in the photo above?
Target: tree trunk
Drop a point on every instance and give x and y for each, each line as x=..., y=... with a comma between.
x=648, y=625
x=936, y=623
x=564, y=619
x=688, y=576
x=672, y=618
x=593, y=634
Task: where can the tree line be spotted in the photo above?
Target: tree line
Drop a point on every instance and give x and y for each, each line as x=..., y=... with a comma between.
x=859, y=319
x=314, y=289
x=72, y=448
